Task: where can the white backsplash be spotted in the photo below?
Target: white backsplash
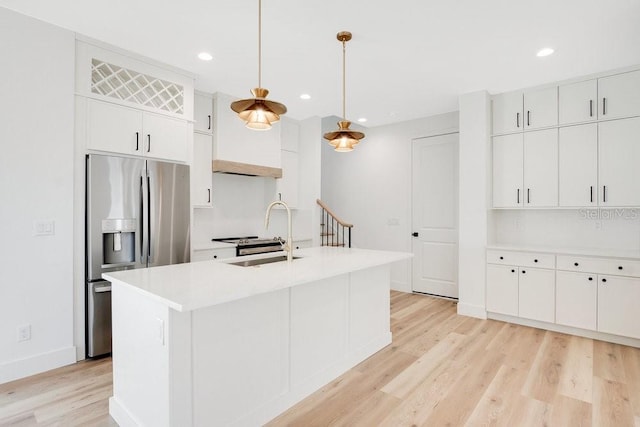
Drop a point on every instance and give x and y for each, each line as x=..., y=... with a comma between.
x=239, y=206
x=617, y=229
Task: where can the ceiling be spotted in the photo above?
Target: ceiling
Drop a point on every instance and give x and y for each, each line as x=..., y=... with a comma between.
x=408, y=58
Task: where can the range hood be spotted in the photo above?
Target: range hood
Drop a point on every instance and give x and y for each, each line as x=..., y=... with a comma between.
x=237, y=168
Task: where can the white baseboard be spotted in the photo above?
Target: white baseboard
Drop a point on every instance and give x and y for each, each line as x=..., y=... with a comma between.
x=469, y=310
x=120, y=414
x=400, y=286
x=22, y=368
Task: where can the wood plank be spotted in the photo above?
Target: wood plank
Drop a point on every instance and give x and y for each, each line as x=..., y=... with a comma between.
x=631, y=363
x=611, y=404
x=544, y=376
x=571, y=412
x=576, y=377
x=238, y=168
x=607, y=361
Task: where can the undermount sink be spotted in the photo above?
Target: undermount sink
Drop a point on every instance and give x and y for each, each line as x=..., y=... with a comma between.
x=260, y=261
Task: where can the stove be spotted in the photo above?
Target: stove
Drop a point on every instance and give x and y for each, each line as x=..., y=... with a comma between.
x=251, y=245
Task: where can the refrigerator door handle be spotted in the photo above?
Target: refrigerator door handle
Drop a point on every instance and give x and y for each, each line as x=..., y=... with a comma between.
x=149, y=257
x=142, y=256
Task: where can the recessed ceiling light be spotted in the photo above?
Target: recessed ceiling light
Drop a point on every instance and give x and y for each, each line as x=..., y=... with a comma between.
x=205, y=56
x=545, y=52
x=362, y=119
x=305, y=96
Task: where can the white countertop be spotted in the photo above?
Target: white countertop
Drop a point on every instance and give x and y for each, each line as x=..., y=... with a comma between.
x=190, y=286
x=599, y=252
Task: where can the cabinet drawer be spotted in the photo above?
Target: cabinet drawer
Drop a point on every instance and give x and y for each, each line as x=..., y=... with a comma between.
x=619, y=267
x=522, y=259
x=213, y=254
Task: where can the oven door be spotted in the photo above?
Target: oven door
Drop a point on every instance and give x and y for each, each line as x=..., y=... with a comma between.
x=258, y=249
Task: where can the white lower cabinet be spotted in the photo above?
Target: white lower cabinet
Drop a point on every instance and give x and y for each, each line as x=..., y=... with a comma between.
x=576, y=299
x=536, y=294
x=618, y=312
x=592, y=293
x=502, y=289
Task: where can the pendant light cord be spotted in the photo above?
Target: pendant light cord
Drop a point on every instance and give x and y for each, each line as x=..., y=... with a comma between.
x=259, y=43
x=344, y=84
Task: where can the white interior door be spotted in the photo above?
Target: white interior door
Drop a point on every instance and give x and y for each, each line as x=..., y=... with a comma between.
x=435, y=215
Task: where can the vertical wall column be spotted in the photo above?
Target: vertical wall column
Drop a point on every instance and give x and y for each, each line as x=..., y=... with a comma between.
x=475, y=150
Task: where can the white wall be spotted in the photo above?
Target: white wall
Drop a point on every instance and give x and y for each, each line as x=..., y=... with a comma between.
x=370, y=187
x=36, y=175
x=474, y=181
x=615, y=229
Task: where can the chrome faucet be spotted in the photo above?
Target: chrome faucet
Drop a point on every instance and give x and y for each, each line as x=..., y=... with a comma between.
x=288, y=247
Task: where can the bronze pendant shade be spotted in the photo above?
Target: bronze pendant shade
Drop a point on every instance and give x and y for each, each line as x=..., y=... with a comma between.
x=258, y=112
x=344, y=139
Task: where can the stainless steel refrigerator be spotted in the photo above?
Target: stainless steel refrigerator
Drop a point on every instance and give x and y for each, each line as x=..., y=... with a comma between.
x=137, y=216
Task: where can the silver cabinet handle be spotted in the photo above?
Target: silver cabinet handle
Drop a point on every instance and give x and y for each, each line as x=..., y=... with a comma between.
x=604, y=106
x=591, y=108
x=518, y=196
x=528, y=118
x=604, y=193
x=209, y=117
x=149, y=142
x=528, y=195
x=137, y=141
x=591, y=194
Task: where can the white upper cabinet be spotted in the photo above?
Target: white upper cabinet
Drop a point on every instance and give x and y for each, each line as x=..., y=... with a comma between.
x=619, y=95
x=234, y=142
x=577, y=102
x=540, y=108
x=619, y=157
x=201, y=175
x=118, y=129
x=507, y=171
x=203, y=113
x=114, y=128
x=578, y=165
x=507, y=113
x=541, y=168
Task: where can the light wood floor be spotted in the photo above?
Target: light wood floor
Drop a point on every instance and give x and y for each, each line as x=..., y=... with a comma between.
x=441, y=370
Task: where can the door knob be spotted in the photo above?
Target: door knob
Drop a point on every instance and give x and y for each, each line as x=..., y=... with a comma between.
x=415, y=234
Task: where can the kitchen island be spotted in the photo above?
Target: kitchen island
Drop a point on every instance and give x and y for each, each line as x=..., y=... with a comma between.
x=211, y=343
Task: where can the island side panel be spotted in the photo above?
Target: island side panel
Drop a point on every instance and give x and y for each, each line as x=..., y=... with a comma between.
x=240, y=358
x=140, y=359
x=369, y=312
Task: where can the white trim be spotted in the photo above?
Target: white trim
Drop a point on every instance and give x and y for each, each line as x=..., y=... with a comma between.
x=120, y=414
x=567, y=330
x=42, y=362
x=470, y=310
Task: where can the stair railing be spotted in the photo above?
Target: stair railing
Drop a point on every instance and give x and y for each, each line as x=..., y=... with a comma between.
x=334, y=231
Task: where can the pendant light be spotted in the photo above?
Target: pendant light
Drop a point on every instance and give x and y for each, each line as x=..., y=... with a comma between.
x=344, y=139
x=258, y=112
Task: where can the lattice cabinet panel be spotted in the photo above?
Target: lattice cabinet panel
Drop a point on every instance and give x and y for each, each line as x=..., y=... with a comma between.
x=132, y=86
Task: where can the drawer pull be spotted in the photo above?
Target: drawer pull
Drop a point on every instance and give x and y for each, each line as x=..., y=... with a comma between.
x=523, y=271
x=535, y=260
x=590, y=278
x=576, y=264
x=513, y=271
x=604, y=280
x=501, y=257
x=619, y=267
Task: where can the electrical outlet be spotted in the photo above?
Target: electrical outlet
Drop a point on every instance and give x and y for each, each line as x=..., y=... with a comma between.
x=24, y=332
x=44, y=228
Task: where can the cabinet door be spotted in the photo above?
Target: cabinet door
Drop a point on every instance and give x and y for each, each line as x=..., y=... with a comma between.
x=203, y=113
x=507, y=171
x=287, y=186
x=507, y=113
x=618, y=312
x=201, y=175
x=114, y=128
x=541, y=168
x=536, y=294
x=164, y=137
x=502, y=289
x=213, y=254
x=578, y=165
x=619, y=95
x=541, y=108
x=619, y=157
x=576, y=299
x=577, y=102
